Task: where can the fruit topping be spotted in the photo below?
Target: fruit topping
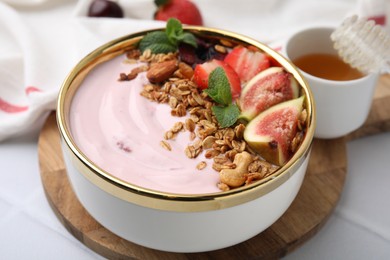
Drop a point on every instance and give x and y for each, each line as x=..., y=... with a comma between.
x=105, y=8
x=271, y=133
x=202, y=53
x=187, y=54
x=202, y=72
x=205, y=53
x=268, y=88
x=247, y=63
x=219, y=89
x=183, y=10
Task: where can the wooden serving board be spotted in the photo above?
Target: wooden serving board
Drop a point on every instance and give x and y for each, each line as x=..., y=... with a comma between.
x=319, y=194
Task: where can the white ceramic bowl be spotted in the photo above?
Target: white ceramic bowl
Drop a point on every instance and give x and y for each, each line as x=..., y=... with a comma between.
x=176, y=222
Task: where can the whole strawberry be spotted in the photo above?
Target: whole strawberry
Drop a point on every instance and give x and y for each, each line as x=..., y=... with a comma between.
x=183, y=10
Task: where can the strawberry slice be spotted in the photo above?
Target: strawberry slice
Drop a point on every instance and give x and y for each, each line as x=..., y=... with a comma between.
x=247, y=63
x=202, y=72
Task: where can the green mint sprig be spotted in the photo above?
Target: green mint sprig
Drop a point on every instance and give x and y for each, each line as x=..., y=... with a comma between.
x=226, y=113
x=168, y=40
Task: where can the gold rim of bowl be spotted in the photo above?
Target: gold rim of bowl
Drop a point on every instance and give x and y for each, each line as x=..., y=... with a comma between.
x=163, y=200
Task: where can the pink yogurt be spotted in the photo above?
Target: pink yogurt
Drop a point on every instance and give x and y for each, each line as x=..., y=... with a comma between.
x=120, y=131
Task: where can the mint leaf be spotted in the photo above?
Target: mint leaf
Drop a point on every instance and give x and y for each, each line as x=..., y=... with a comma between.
x=227, y=115
x=189, y=38
x=219, y=87
x=168, y=40
x=152, y=38
x=174, y=31
x=219, y=90
x=162, y=48
x=176, y=34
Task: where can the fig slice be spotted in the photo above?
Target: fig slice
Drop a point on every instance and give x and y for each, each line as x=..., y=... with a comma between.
x=271, y=132
x=267, y=88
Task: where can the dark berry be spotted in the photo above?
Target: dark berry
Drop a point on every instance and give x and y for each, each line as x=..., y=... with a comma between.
x=105, y=8
x=202, y=43
x=208, y=53
x=212, y=53
x=201, y=54
x=187, y=54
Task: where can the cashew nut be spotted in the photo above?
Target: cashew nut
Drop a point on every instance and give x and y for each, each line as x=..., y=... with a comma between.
x=236, y=177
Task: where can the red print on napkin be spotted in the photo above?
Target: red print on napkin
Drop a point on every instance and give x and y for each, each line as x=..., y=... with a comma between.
x=7, y=107
x=11, y=108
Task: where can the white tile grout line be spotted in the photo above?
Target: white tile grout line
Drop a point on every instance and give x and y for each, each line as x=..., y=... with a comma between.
x=21, y=208
x=363, y=224
x=18, y=207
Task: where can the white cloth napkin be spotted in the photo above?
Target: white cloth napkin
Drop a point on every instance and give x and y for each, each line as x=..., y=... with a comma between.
x=42, y=40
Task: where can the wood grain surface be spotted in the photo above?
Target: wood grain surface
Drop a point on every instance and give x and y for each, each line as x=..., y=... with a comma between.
x=319, y=194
